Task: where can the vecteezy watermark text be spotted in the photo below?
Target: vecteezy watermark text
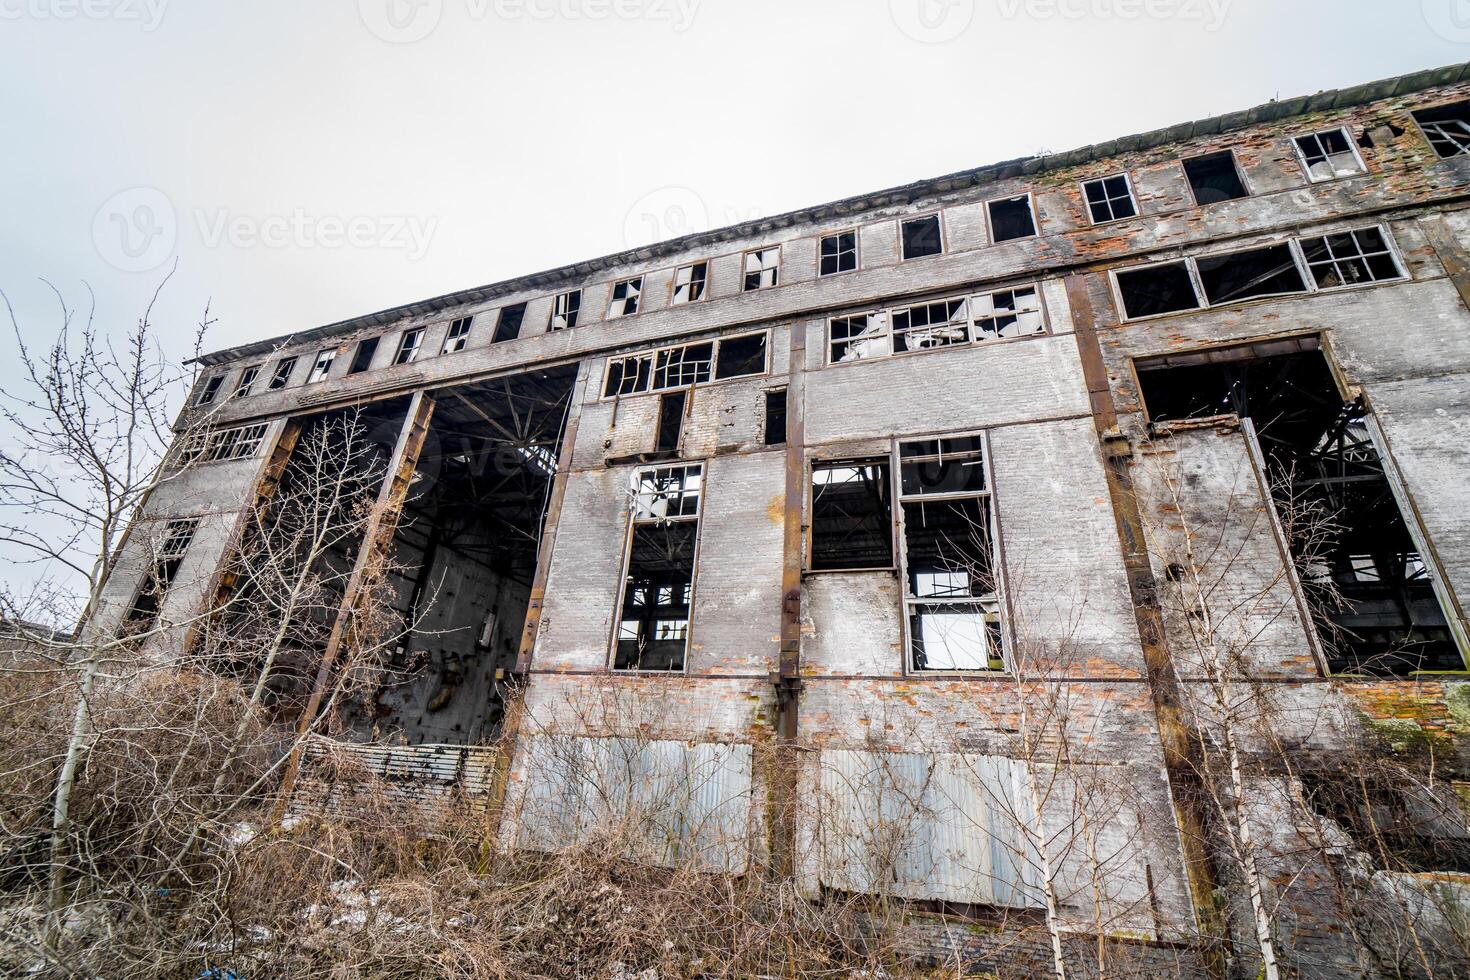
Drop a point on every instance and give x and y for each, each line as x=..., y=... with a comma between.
x=1209, y=13
x=407, y=21
x=299, y=229
x=148, y=13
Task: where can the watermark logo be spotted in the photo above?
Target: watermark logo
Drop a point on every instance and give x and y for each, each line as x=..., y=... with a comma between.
x=147, y=13
x=299, y=229
x=401, y=21
x=669, y=212
x=136, y=230
x=1210, y=14
x=932, y=21
x=1450, y=19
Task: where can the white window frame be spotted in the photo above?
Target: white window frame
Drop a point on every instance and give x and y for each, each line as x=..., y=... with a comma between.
x=745, y=271
x=900, y=554
x=454, y=343
x=221, y=445
x=247, y=381
x=410, y=345
x=284, y=368
x=210, y=392
x=639, y=513
x=1132, y=197
x=857, y=251
x=1030, y=206
x=321, y=368
x=651, y=356
x=938, y=216
x=1424, y=134
x=1298, y=257
x=617, y=308
x=689, y=267
x=1352, y=146
x=561, y=309
x=887, y=314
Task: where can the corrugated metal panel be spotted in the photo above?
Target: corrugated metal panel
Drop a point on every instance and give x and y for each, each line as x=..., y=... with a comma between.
x=408, y=773
x=946, y=826
x=664, y=802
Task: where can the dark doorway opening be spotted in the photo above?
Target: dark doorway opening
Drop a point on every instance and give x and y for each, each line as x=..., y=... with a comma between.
x=1369, y=589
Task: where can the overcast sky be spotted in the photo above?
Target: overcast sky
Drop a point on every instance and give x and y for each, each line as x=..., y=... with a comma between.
x=310, y=160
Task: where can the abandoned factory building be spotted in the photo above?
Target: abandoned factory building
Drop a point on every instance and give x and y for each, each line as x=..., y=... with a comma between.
x=1142, y=466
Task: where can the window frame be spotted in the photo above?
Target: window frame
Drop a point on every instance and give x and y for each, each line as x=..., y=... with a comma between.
x=1301, y=158
x=745, y=274
x=204, y=446
x=1030, y=207
x=900, y=555
x=637, y=297
x=887, y=313
x=209, y=393
x=462, y=339
x=1298, y=257
x=938, y=217
x=1132, y=196
x=281, y=376
x=575, y=315
x=1239, y=175
x=327, y=354
x=635, y=474
x=406, y=354
x=704, y=291
x=158, y=558
x=651, y=354
x=248, y=377
x=857, y=252
x=809, y=509
x=1414, y=114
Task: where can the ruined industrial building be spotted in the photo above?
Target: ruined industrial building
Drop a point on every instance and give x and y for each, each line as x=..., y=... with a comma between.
x=1047, y=542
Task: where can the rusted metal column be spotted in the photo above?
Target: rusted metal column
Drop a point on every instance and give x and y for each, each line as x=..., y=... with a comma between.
x=382, y=522
x=1180, y=743
x=785, y=773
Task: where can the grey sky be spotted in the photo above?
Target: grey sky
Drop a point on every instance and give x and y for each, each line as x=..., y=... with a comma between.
x=308, y=161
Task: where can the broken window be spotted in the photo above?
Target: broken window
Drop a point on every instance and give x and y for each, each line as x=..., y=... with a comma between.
x=458, y=335
x=247, y=381
x=1328, y=154
x=408, y=345
x=689, y=282
x=282, y=375
x=930, y=325
x=838, y=253
x=862, y=335
x=921, y=236
x=762, y=268
x=508, y=327
x=363, y=359
x=688, y=364
x=670, y=421
x=1395, y=823
x=210, y=391
x=1109, y=198
x=1157, y=289
x=1351, y=257
x=213, y=445
x=1007, y=313
x=1371, y=592
x=168, y=554
x=741, y=356
x=678, y=367
x=1011, y=218
x=943, y=323
x=952, y=593
x=1214, y=178
x=775, y=427
x=1447, y=127
x=564, y=309
x=852, y=517
x=658, y=587
x=322, y=367
x=625, y=296
x=1269, y=271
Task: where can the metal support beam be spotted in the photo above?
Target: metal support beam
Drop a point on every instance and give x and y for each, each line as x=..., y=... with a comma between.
x=1180, y=743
